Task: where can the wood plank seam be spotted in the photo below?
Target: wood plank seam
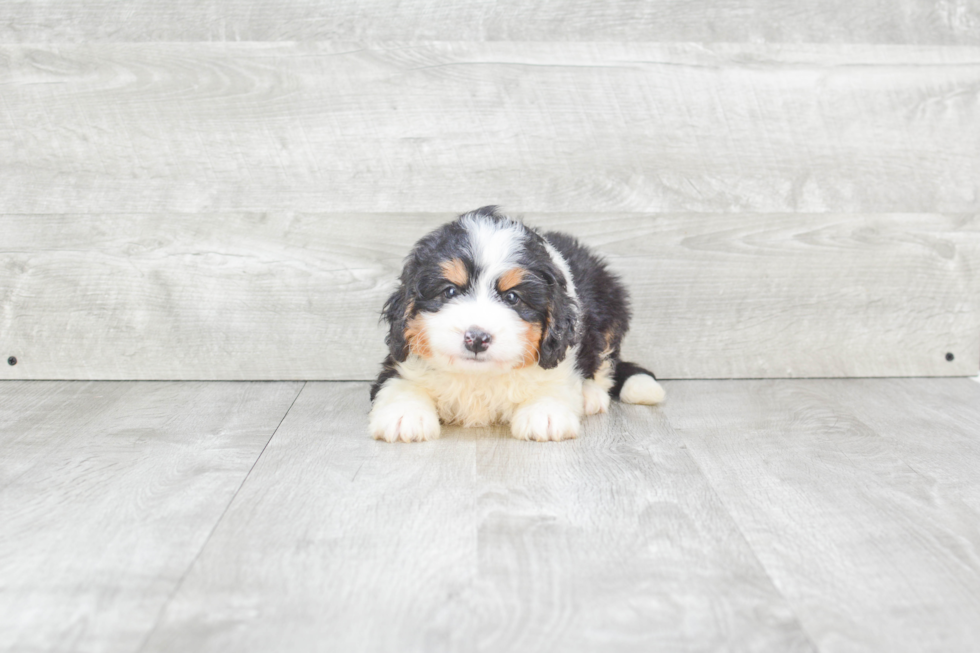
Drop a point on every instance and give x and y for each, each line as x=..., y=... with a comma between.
x=755, y=554
x=476, y=541
x=204, y=544
x=852, y=462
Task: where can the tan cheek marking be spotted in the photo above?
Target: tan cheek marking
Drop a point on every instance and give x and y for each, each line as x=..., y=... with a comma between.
x=510, y=278
x=532, y=345
x=455, y=272
x=417, y=338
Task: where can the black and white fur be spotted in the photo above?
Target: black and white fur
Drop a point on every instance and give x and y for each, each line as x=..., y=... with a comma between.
x=494, y=322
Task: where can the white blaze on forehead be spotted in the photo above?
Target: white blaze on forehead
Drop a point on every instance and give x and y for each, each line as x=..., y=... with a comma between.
x=494, y=246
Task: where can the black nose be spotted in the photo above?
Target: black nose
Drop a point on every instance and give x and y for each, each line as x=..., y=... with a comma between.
x=476, y=340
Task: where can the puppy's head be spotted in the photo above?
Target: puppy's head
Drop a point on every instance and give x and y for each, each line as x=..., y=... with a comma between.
x=483, y=294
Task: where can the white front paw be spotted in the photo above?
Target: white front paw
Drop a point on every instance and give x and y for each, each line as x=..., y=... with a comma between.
x=595, y=399
x=408, y=421
x=545, y=420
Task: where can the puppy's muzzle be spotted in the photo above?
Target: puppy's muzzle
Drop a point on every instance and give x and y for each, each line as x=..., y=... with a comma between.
x=476, y=340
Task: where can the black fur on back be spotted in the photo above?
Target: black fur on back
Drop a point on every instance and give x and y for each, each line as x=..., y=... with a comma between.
x=603, y=303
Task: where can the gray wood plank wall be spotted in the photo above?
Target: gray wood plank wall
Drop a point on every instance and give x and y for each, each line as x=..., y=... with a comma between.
x=164, y=127
x=789, y=191
x=826, y=21
x=298, y=296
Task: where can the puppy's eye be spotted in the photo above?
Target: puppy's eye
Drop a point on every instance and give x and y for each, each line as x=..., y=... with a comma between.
x=450, y=292
x=511, y=298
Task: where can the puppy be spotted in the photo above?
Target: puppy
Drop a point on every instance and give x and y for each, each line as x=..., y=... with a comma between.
x=494, y=322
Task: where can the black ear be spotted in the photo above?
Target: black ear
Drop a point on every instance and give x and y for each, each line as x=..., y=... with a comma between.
x=559, y=329
x=396, y=313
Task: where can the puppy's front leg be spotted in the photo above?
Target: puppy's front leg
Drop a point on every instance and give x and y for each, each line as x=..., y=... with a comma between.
x=551, y=417
x=403, y=411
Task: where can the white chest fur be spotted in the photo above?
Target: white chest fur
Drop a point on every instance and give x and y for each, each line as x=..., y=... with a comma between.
x=481, y=399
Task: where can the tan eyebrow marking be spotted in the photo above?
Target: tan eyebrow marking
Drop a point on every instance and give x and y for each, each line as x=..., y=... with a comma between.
x=510, y=278
x=455, y=272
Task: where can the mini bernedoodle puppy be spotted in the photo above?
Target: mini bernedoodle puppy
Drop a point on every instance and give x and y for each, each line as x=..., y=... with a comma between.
x=494, y=322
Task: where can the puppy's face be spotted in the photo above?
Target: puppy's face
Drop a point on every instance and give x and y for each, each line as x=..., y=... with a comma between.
x=482, y=294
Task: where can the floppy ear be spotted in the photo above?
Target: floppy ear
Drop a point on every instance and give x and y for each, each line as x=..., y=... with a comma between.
x=396, y=313
x=559, y=329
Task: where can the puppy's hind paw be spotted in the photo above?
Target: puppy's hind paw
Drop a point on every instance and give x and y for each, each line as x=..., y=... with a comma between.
x=544, y=421
x=404, y=421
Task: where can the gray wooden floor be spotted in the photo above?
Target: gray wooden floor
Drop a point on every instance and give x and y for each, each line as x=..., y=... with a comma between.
x=830, y=515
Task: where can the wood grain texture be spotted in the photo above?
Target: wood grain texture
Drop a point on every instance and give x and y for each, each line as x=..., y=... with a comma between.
x=343, y=541
x=831, y=21
x=615, y=543
x=298, y=296
x=107, y=493
x=856, y=497
x=475, y=542
x=444, y=126
x=947, y=410
x=762, y=296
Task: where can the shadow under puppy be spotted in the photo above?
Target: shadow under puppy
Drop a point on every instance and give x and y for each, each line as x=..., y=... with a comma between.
x=494, y=322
